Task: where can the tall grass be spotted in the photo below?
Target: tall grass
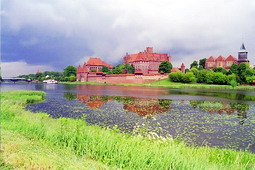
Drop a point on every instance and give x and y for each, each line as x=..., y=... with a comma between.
x=112, y=147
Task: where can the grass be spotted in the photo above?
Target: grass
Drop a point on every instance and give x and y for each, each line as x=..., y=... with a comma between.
x=81, y=145
x=169, y=84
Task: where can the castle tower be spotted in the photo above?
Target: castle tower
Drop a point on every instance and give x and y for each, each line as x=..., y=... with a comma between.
x=242, y=55
x=183, y=68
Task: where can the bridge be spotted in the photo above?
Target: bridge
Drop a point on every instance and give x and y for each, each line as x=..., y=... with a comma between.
x=15, y=79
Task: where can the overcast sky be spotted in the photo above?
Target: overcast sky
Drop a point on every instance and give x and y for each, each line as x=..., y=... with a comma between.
x=50, y=35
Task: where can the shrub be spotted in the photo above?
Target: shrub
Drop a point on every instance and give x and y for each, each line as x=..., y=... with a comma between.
x=176, y=76
x=189, y=78
x=219, y=78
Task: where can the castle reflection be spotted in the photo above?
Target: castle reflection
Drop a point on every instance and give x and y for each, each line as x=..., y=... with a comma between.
x=140, y=106
x=147, y=106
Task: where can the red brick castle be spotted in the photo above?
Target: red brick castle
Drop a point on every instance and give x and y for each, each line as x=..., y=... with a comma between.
x=146, y=66
x=146, y=62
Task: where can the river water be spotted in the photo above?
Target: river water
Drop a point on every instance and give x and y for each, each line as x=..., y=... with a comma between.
x=221, y=118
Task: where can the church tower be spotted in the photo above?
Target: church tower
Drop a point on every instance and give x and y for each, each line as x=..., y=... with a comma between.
x=242, y=55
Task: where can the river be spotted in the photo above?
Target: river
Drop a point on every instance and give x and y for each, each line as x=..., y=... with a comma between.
x=221, y=118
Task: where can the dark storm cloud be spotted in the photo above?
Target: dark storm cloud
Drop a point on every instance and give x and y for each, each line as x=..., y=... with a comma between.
x=64, y=32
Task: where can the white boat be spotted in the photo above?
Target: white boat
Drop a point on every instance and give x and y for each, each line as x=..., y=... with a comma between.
x=50, y=81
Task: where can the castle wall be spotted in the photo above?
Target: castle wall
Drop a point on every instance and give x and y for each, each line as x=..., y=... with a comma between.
x=122, y=78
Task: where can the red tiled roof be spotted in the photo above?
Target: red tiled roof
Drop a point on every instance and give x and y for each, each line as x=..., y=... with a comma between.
x=97, y=62
x=211, y=59
x=78, y=69
x=220, y=58
x=84, y=69
x=175, y=69
x=146, y=56
x=231, y=58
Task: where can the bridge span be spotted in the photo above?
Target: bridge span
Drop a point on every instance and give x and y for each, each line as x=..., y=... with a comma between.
x=15, y=79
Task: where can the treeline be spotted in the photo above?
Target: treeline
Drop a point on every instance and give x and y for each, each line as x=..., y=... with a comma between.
x=68, y=74
x=119, y=69
x=242, y=74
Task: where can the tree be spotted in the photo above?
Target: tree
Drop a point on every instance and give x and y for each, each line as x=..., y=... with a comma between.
x=165, y=67
x=176, y=76
x=220, y=69
x=105, y=69
x=244, y=71
x=233, y=69
x=194, y=64
x=202, y=62
x=201, y=76
x=189, y=78
x=130, y=68
x=117, y=70
x=69, y=70
x=72, y=78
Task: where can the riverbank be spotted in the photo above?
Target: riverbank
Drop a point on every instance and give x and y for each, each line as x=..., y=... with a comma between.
x=169, y=84
x=70, y=143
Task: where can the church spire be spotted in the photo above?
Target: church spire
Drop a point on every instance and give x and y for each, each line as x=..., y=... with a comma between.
x=242, y=47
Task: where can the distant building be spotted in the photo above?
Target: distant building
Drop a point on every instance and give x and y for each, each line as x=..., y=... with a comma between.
x=242, y=55
x=146, y=62
x=92, y=64
x=220, y=61
x=226, y=63
x=176, y=69
x=95, y=64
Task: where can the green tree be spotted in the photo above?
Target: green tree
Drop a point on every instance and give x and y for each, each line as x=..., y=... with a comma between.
x=105, y=69
x=209, y=77
x=130, y=68
x=117, y=70
x=69, y=70
x=165, y=67
x=189, y=78
x=220, y=69
x=72, y=78
x=202, y=62
x=193, y=65
x=201, y=76
x=244, y=70
x=176, y=76
x=233, y=69
x=109, y=72
x=219, y=78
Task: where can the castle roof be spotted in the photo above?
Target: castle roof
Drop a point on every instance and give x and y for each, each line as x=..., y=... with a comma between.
x=231, y=58
x=84, y=69
x=147, y=55
x=220, y=58
x=211, y=59
x=175, y=69
x=79, y=69
x=97, y=62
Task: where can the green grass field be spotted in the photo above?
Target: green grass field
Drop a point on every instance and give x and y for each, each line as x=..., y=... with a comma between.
x=36, y=141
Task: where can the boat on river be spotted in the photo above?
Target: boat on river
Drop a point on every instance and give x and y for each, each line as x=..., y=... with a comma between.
x=50, y=81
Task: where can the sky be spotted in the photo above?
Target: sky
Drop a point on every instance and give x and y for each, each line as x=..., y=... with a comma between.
x=50, y=35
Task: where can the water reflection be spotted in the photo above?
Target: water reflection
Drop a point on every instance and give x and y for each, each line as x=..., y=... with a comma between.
x=146, y=106
x=221, y=107
x=140, y=106
x=233, y=95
